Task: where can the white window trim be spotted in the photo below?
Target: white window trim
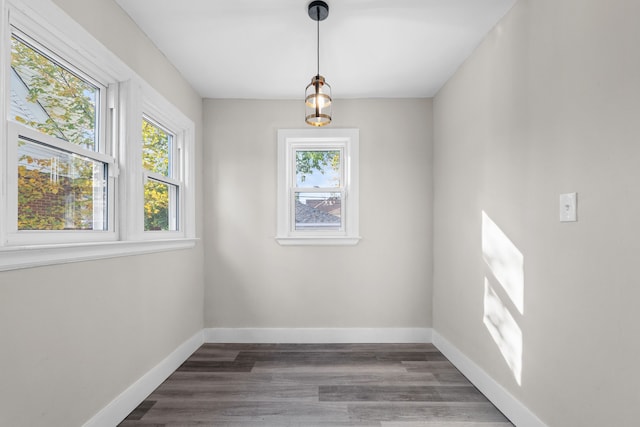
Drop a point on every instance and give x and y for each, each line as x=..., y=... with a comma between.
x=138, y=100
x=346, y=140
x=13, y=258
x=47, y=23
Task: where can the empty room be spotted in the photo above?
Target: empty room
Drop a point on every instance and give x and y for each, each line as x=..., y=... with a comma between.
x=391, y=213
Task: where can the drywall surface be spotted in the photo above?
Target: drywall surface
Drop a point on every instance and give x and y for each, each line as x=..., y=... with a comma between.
x=548, y=104
x=252, y=281
x=108, y=23
x=74, y=336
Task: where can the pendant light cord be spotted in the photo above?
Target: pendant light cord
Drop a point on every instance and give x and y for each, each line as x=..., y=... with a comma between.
x=318, y=39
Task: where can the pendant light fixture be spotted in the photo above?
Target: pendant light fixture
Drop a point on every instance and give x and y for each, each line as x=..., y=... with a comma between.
x=318, y=92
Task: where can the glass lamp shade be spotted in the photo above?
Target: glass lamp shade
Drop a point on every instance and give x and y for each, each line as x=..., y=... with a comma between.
x=318, y=102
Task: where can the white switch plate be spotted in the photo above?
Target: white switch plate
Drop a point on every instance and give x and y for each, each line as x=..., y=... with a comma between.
x=568, y=207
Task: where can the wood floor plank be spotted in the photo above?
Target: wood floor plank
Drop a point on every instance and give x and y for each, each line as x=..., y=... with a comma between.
x=429, y=365
x=354, y=368
x=400, y=393
x=336, y=385
x=397, y=356
x=443, y=424
x=443, y=371
x=410, y=411
x=240, y=393
x=189, y=411
x=141, y=410
x=216, y=380
x=216, y=366
x=214, y=354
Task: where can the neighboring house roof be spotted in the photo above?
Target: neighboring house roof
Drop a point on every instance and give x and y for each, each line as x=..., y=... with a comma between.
x=330, y=205
x=307, y=215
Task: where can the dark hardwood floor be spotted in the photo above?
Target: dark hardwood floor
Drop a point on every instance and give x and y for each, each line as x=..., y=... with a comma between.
x=385, y=385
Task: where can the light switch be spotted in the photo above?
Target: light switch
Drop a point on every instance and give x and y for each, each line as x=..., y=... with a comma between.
x=568, y=207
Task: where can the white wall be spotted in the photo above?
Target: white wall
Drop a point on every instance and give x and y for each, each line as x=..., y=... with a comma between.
x=383, y=282
x=75, y=336
x=548, y=104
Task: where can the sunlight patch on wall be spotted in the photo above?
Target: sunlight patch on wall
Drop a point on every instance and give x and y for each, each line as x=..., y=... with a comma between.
x=505, y=261
x=504, y=330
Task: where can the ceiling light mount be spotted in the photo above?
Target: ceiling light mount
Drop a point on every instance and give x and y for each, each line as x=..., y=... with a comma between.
x=318, y=92
x=318, y=10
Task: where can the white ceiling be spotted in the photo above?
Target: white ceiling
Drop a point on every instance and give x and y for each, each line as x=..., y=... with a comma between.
x=266, y=49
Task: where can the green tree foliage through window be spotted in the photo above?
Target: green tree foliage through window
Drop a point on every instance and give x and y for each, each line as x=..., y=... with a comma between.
x=309, y=162
x=57, y=101
x=56, y=190
x=157, y=147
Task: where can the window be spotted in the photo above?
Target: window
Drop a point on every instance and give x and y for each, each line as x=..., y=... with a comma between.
x=95, y=163
x=318, y=190
x=161, y=190
x=162, y=206
x=59, y=186
x=318, y=187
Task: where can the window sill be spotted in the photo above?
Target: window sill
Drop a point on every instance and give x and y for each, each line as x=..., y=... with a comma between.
x=13, y=258
x=318, y=241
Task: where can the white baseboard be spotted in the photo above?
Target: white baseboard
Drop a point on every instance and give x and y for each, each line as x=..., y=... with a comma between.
x=517, y=412
x=317, y=335
x=128, y=400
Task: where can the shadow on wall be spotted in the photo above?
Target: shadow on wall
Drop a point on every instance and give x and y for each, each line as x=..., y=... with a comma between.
x=506, y=269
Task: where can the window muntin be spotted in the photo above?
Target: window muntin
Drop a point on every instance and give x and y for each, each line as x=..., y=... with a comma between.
x=161, y=190
x=49, y=97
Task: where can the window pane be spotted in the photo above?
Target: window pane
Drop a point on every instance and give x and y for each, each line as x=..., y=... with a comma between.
x=47, y=97
x=156, y=148
x=59, y=190
x=160, y=206
x=319, y=169
x=318, y=211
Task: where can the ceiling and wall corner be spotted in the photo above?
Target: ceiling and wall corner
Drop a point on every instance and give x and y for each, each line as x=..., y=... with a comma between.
x=244, y=49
